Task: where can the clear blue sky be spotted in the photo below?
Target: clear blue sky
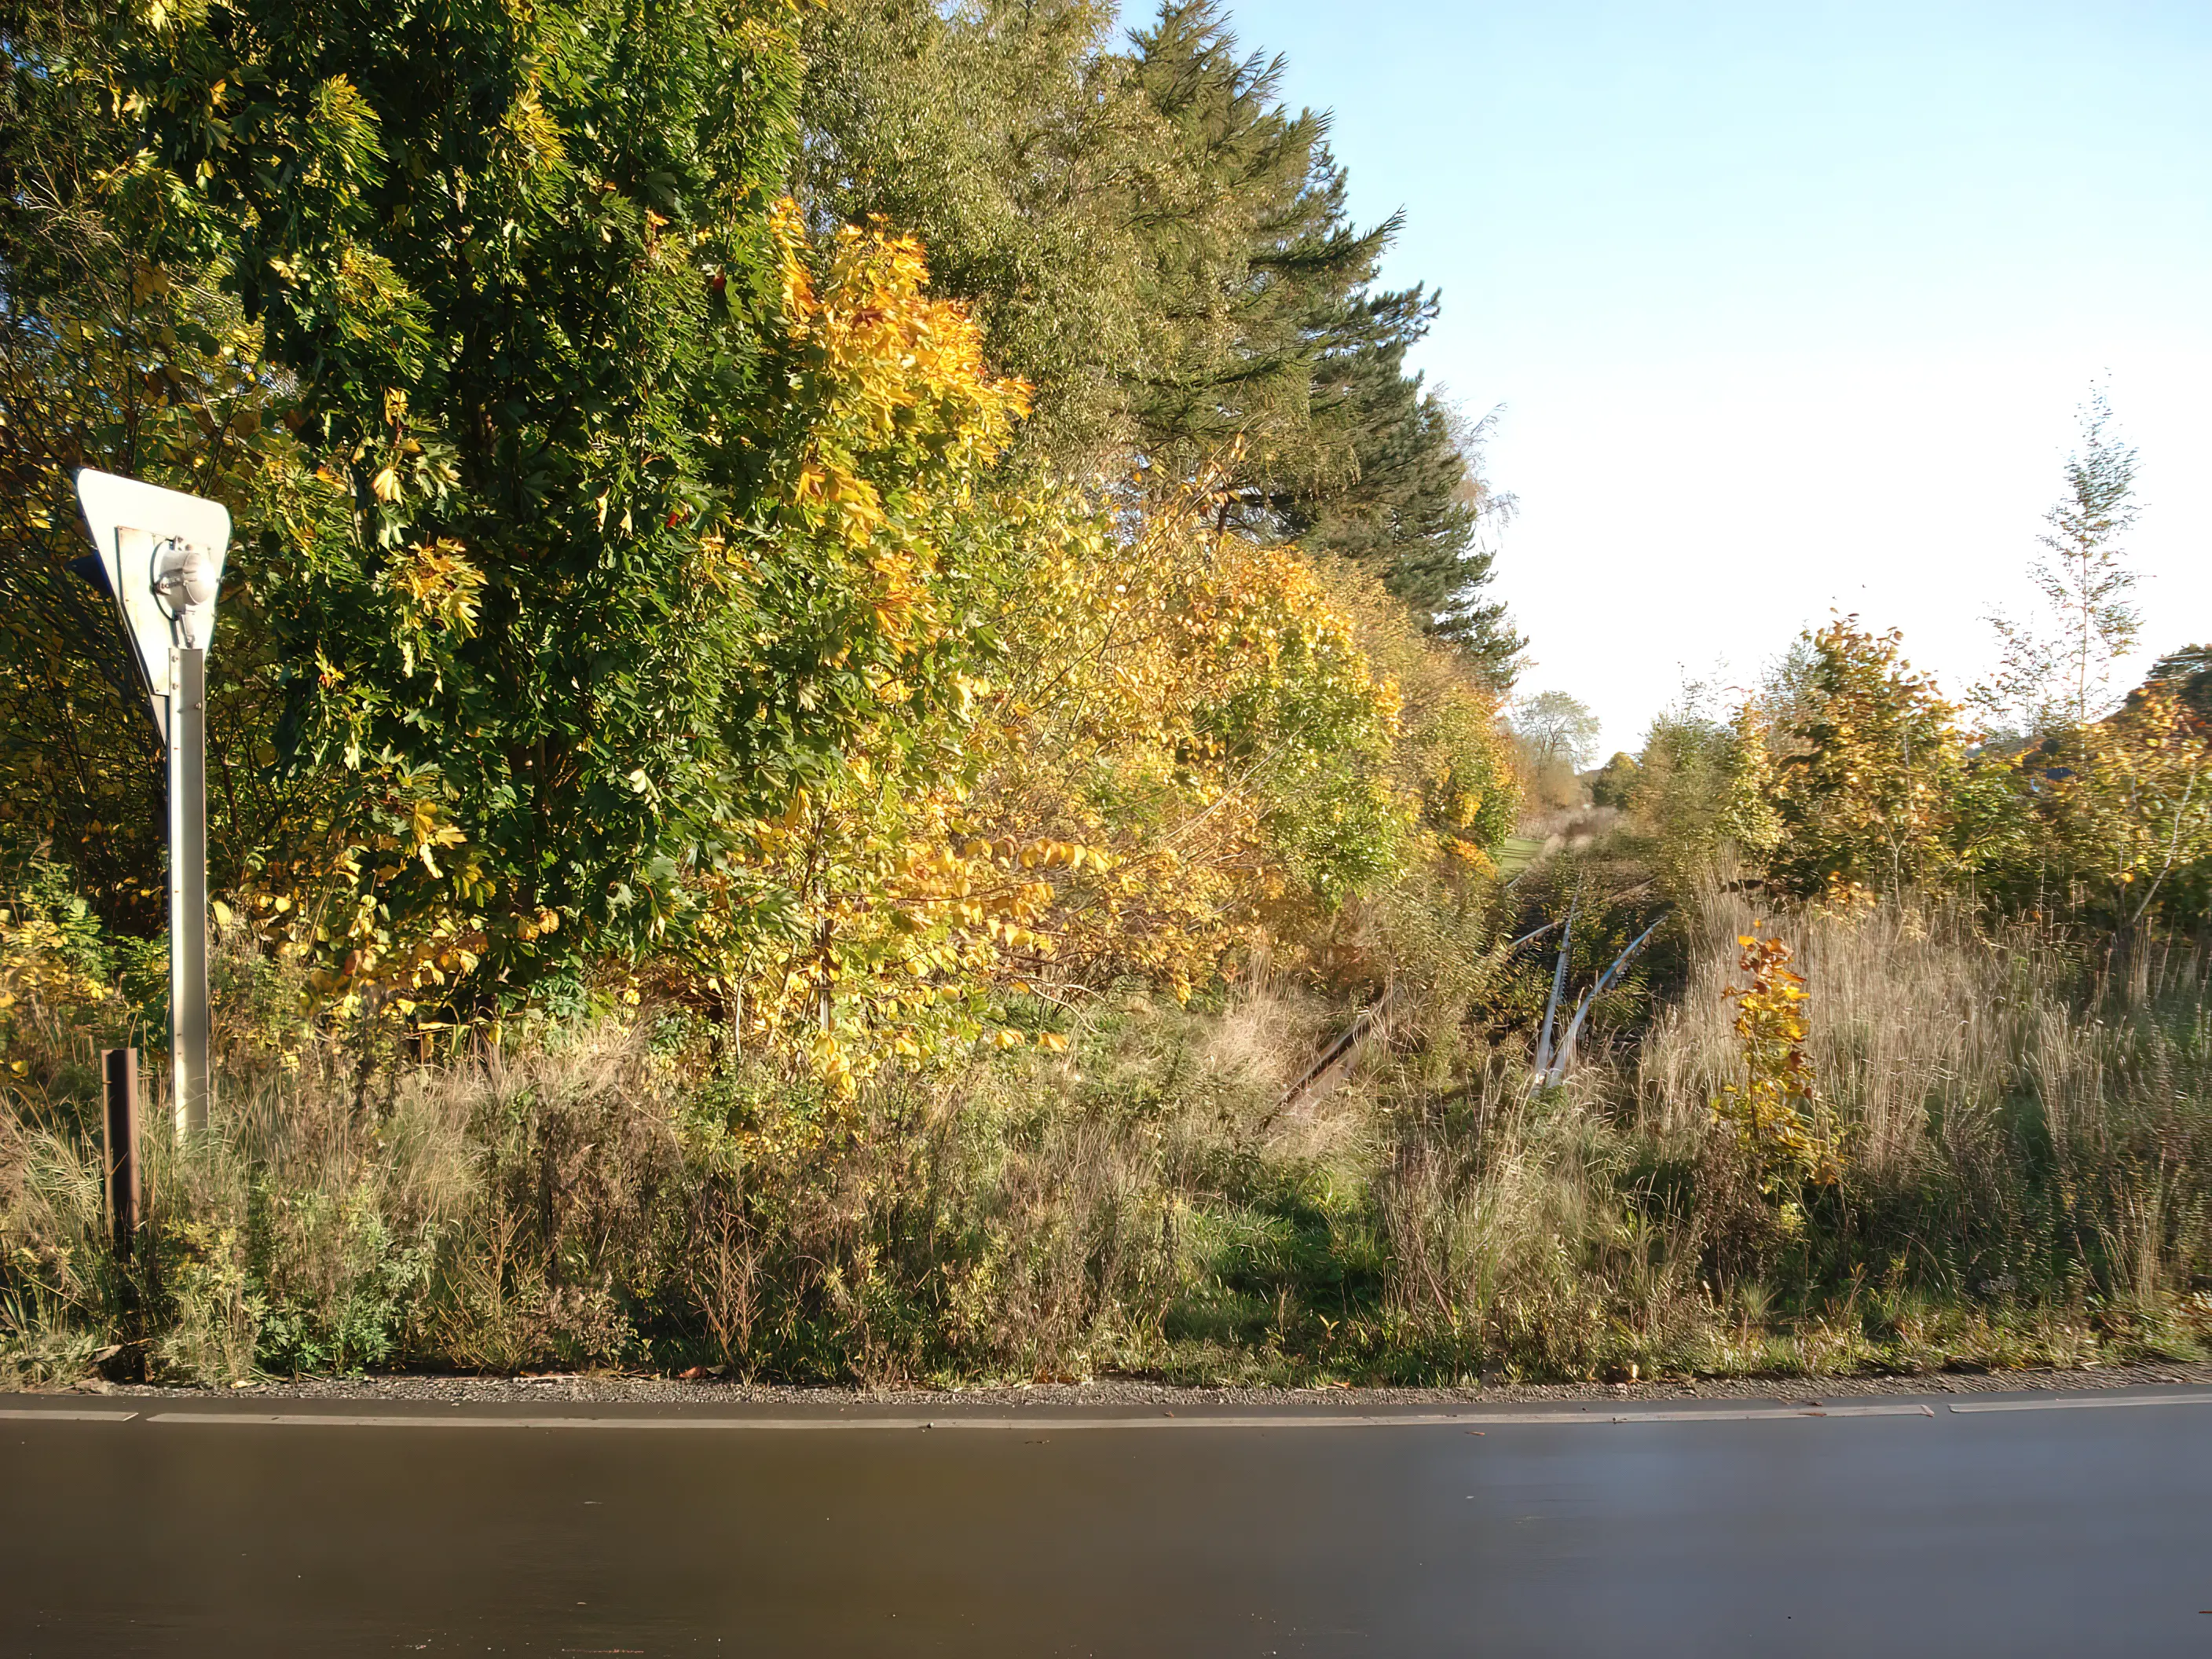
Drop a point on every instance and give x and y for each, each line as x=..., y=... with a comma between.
x=1789, y=305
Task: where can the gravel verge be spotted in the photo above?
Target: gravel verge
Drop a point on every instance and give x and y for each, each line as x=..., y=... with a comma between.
x=615, y=1389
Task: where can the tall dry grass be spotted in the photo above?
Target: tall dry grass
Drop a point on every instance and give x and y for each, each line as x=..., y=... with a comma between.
x=2029, y=1175
x=594, y=1195
x=2019, y=1120
x=2029, y=1178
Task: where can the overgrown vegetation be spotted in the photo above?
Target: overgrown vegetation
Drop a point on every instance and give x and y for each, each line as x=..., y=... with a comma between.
x=801, y=778
x=2022, y=1179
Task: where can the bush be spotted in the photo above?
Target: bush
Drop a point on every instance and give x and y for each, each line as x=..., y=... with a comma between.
x=2024, y=1178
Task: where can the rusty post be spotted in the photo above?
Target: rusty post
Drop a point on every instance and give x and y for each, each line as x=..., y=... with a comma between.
x=124, y=1172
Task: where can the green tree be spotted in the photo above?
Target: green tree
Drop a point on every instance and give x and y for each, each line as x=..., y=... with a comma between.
x=2059, y=674
x=76, y=757
x=1614, y=785
x=112, y=359
x=1555, y=729
x=1697, y=790
x=2188, y=674
x=1005, y=134
x=1417, y=508
x=2121, y=813
x=516, y=269
x=1159, y=245
x=1244, y=283
x=1279, y=338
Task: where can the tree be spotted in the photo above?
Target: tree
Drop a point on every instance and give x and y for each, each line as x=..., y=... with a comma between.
x=1775, y=1109
x=78, y=758
x=1418, y=509
x=1553, y=735
x=1284, y=343
x=1615, y=783
x=629, y=562
x=1162, y=249
x=2061, y=674
x=1697, y=790
x=1476, y=625
x=1246, y=282
x=2188, y=674
x=2122, y=812
x=1007, y=137
x=1555, y=729
x=1142, y=232
x=1865, y=790
x=111, y=358
x=517, y=272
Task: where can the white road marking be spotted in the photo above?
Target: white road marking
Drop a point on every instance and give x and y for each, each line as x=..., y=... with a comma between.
x=2080, y=1402
x=1025, y=1424
x=70, y=1417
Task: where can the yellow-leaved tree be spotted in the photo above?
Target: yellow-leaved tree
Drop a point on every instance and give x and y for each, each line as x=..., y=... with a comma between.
x=2119, y=812
x=1864, y=796
x=1100, y=737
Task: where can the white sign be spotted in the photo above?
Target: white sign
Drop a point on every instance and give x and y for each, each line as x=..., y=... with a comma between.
x=163, y=552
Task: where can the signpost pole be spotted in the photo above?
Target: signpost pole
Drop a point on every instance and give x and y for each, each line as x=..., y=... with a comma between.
x=159, y=557
x=192, y=1083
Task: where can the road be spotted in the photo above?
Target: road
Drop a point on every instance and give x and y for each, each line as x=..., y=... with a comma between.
x=1958, y=1526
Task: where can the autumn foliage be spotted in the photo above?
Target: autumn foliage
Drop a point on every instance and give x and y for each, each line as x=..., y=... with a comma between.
x=1872, y=786
x=1863, y=791
x=1774, y=1108
x=1096, y=743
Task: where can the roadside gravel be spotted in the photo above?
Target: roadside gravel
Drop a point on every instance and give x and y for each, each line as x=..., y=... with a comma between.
x=614, y=1388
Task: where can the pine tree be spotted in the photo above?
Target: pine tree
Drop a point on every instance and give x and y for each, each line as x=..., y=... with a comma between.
x=1250, y=282
x=1417, y=506
x=1344, y=449
x=1165, y=250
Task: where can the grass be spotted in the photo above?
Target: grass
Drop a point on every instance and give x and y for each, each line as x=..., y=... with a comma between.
x=2027, y=1182
x=1517, y=853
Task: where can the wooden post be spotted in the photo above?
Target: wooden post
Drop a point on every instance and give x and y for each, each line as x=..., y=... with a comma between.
x=125, y=1179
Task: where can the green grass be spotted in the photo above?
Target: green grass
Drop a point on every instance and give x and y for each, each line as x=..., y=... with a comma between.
x=1517, y=853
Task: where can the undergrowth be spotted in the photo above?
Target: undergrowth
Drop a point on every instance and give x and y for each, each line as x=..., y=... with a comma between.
x=2024, y=1181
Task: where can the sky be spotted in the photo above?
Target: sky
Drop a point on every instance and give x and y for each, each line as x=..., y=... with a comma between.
x=1788, y=308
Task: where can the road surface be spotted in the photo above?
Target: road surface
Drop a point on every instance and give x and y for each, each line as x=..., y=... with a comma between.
x=1959, y=1526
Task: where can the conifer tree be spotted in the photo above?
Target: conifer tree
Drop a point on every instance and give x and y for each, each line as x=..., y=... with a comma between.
x=2060, y=674
x=1345, y=450
x=1165, y=250
x=1250, y=284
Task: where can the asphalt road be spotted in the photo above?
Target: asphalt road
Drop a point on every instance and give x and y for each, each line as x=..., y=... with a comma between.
x=2073, y=1525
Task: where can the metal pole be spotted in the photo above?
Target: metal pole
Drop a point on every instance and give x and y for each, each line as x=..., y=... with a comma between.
x=121, y=1069
x=193, y=1088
